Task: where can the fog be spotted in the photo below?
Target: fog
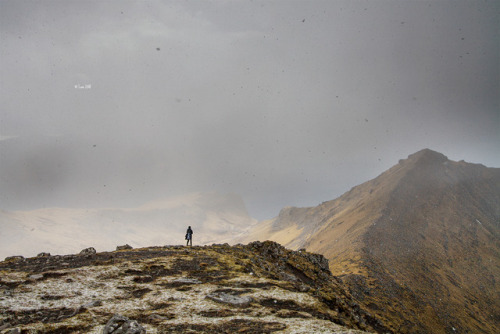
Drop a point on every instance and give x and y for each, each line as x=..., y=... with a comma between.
x=117, y=103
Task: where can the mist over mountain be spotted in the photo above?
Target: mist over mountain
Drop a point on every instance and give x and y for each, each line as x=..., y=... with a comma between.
x=108, y=105
x=418, y=246
x=215, y=218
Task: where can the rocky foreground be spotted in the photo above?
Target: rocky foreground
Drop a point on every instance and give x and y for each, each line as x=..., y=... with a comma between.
x=258, y=288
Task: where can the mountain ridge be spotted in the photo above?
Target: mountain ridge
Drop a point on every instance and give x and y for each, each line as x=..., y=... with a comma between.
x=417, y=245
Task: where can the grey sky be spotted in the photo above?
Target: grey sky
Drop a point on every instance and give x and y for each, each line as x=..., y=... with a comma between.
x=283, y=102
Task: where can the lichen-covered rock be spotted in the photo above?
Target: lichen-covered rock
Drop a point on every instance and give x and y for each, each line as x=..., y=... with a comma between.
x=318, y=260
x=119, y=324
x=260, y=288
x=15, y=258
x=226, y=298
x=184, y=280
x=94, y=303
x=35, y=277
x=268, y=248
x=124, y=247
x=43, y=254
x=88, y=251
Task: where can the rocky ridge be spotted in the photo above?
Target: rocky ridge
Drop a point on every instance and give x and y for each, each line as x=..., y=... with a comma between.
x=418, y=246
x=261, y=287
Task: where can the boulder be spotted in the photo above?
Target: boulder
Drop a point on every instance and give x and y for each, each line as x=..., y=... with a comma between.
x=43, y=254
x=143, y=279
x=183, y=280
x=119, y=324
x=319, y=260
x=16, y=258
x=35, y=277
x=88, y=251
x=124, y=247
x=94, y=303
x=226, y=298
x=158, y=318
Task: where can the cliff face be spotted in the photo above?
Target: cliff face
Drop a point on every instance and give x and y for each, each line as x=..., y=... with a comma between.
x=258, y=288
x=419, y=246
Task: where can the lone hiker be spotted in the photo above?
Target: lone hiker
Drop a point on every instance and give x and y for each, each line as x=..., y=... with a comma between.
x=189, y=236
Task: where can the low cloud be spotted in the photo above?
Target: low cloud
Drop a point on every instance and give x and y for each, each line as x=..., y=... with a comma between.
x=286, y=104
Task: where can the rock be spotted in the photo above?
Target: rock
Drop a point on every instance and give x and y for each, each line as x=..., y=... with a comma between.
x=269, y=249
x=82, y=308
x=88, y=251
x=5, y=325
x=302, y=287
x=35, y=277
x=94, y=303
x=318, y=260
x=119, y=324
x=143, y=279
x=288, y=277
x=16, y=258
x=43, y=254
x=184, y=280
x=157, y=318
x=225, y=298
x=124, y=247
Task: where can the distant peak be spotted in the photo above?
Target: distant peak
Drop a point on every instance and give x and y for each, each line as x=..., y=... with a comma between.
x=428, y=156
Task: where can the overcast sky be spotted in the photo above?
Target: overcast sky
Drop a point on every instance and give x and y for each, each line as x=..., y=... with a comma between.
x=117, y=103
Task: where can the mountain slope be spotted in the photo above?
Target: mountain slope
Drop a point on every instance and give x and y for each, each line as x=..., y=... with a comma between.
x=214, y=218
x=419, y=245
x=257, y=288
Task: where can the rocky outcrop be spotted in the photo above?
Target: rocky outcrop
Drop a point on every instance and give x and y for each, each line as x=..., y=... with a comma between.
x=43, y=254
x=124, y=247
x=231, y=299
x=119, y=324
x=88, y=251
x=258, y=288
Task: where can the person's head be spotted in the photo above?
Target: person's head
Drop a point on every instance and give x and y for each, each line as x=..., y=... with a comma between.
x=189, y=226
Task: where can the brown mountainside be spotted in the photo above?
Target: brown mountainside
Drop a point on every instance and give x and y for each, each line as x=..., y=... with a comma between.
x=418, y=246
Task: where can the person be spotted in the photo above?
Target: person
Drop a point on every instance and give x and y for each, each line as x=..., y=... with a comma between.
x=189, y=236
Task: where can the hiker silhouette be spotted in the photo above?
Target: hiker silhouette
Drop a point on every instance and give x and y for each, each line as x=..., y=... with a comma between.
x=189, y=236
